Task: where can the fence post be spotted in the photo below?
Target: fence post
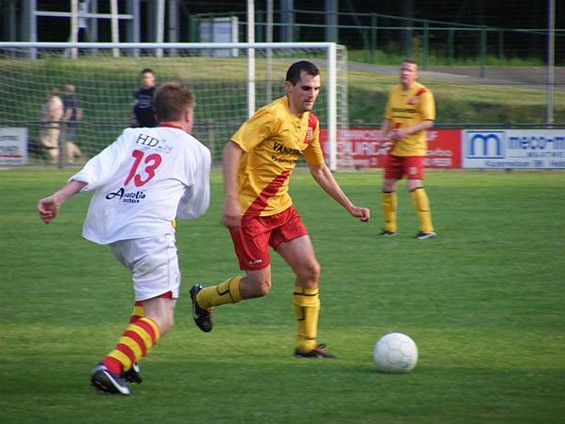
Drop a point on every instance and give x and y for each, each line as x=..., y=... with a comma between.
x=426, y=45
x=373, y=52
x=287, y=21
x=483, y=51
x=60, y=144
x=501, y=46
x=550, y=63
x=450, y=46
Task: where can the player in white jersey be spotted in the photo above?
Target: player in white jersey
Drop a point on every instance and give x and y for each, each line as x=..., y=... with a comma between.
x=141, y=183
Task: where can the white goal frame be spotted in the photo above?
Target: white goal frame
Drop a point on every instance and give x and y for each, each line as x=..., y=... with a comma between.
x=330, y=82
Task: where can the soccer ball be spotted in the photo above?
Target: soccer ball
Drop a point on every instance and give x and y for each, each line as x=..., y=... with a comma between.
x=395, y=353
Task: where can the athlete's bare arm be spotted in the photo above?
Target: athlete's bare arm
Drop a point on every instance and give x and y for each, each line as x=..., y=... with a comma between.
x=231, y=214
x=48, y=207
x=325, y=179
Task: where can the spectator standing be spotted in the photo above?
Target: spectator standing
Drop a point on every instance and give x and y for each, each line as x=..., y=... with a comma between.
x=52, y=113
x=143, y=113
x=73, y=114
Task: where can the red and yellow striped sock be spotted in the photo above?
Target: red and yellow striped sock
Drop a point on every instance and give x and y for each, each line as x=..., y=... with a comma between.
x=138, y=339
x=137, y=312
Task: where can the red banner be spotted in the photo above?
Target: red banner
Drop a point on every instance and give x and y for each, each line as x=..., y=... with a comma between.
x=361, y=148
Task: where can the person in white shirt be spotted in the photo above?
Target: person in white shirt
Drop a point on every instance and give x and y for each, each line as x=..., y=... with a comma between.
x=142, y=182
x=51, y=115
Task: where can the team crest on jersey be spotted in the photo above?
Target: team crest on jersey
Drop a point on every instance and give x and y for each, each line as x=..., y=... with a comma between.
x=309, y=135
x=312, y=123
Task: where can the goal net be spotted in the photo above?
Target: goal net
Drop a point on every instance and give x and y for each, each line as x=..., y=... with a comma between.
x=229, y=80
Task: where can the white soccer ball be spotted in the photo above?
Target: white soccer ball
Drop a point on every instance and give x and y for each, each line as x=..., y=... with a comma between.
x=395, y=353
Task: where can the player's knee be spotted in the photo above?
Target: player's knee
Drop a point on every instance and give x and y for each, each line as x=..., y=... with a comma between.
x=310, y=272
x=389, y=186
x=257, y=287
x=315, y=271
x=414, y=184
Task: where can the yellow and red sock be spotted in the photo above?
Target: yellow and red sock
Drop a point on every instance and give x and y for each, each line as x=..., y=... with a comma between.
x=389, y=204
x=137, y=312
x=138, y=339
x=422, y=206
x=307, y=309
x=226, y=292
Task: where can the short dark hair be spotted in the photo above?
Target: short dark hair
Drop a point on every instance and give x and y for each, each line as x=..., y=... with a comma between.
x=295, y=70
x=171, y=99
x=146, y=71
x=409, y=60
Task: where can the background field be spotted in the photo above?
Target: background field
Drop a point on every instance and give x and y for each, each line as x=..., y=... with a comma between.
x=484, y=302
x=105, y=85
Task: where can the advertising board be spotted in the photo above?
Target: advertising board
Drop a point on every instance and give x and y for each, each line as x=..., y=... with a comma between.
x=13, y=146
x=362, y=148
x=514, y=149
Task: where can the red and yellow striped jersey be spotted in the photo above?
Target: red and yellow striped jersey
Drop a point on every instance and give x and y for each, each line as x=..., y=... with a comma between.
x=406, y=108
x=273, y=140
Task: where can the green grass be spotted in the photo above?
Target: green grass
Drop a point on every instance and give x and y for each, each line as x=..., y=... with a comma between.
x=439, y=59
x=484, y=302
x=483, y=103
x=105, y=86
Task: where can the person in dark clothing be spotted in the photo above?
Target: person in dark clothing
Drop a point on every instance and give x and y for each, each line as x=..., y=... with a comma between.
x=72, y=115
x=143, y=114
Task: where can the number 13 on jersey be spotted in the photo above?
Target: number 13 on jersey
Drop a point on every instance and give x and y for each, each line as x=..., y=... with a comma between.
x=143, y=165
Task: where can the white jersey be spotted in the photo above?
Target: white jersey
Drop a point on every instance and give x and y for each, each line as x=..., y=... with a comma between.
x=144, y=180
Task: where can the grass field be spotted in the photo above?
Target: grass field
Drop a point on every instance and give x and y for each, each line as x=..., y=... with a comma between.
x=484, y=302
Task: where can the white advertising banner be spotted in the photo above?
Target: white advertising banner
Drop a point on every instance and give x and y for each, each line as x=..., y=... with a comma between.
x=513, y=149
x=13, y=146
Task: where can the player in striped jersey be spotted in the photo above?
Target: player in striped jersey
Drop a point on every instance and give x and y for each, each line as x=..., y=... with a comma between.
x=141, y=183
x=257, y=163
x=410, y=111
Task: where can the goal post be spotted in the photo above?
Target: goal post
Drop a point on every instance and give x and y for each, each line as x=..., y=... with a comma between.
x=227, y=85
